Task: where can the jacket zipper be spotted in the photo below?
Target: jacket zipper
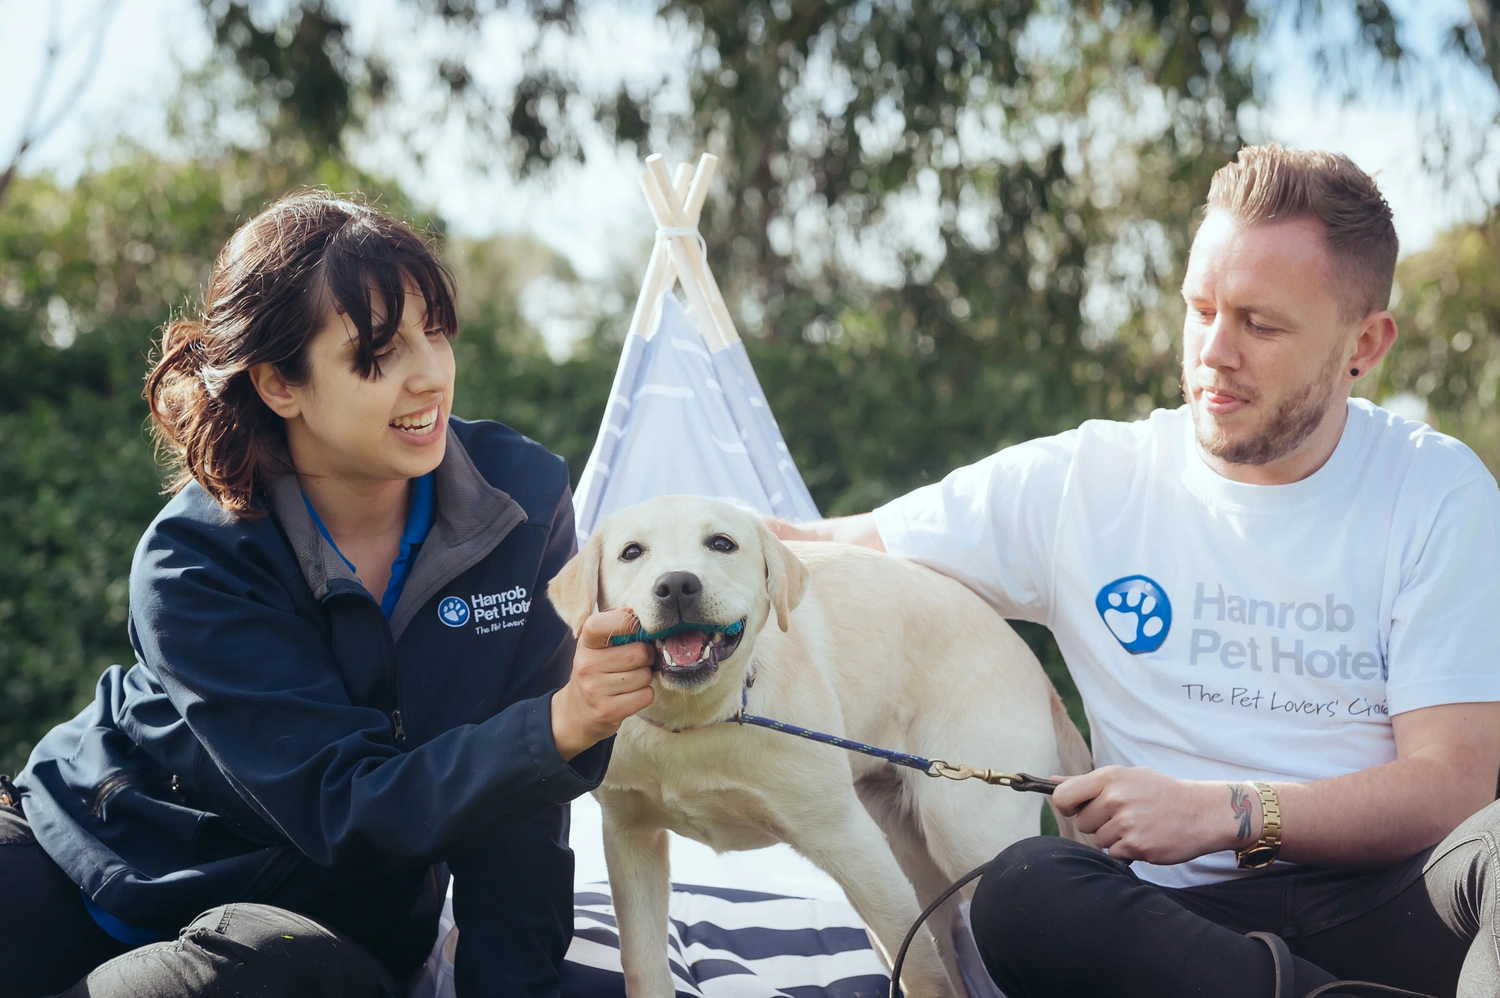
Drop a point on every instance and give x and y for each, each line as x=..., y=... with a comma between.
x=389, y=691
x=398, y=724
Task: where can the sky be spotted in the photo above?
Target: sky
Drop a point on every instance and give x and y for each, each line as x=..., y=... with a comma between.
x=594, y=214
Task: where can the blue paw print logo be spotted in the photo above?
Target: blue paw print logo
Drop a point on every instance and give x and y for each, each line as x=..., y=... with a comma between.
x=1137, y=612
x=453, y=611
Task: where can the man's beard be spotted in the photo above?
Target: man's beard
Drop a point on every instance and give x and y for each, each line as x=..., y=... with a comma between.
x=1287, y=429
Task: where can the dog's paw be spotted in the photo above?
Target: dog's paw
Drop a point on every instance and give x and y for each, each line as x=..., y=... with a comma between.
x=1137, y=612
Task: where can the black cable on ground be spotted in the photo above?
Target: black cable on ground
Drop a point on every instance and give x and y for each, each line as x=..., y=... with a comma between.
x=911, y=933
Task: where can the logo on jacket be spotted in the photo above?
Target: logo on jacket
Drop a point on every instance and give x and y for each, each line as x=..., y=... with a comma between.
x=453, y=611
x=1137, y=612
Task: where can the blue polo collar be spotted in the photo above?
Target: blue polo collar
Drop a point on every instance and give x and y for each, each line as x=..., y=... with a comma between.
x=419, y=521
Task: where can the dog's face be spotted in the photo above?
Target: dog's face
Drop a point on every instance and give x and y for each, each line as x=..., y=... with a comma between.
x=682, y=560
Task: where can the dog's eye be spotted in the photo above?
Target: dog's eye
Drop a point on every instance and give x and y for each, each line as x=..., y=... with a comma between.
x=632, y=552
x=722, y=544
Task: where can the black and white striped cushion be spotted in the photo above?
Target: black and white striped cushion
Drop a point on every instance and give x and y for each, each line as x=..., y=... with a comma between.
x=728, y=943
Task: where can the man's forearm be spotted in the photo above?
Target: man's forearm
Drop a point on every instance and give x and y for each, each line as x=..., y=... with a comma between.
x=1377, y=816
x=1444, y=771
x=858, y=529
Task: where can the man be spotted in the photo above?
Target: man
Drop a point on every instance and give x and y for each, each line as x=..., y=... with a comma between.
x=1279, y=606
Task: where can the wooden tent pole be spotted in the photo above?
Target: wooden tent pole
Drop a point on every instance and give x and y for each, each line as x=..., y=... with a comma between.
x=685, y=253
x=658, y=273
x=719, y=315
x=717, y=318
x=660, y=276
x=677, y=202
x=680, y=182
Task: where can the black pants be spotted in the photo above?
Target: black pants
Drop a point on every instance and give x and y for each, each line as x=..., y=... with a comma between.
x=1056, y=918
x=50, y=945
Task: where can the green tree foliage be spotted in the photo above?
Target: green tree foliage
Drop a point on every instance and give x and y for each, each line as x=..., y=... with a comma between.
x=943, y=227
x=1448, y=351
x=84, y=276
x=299, y=70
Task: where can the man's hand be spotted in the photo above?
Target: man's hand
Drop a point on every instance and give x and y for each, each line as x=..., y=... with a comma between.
x=859, y=529
x=1141, y=814
x=609, y=683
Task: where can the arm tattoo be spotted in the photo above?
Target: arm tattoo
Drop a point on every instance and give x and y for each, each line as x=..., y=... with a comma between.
x=1239, y=806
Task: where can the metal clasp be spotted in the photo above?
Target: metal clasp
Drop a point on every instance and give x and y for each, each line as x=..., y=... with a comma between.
x=1023, y=782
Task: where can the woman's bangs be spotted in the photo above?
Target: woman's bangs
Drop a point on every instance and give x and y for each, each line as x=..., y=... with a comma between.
x=368, y=269
x=436, y=286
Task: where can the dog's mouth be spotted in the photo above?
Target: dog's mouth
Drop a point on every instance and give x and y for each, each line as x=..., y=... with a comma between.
x=696, y=654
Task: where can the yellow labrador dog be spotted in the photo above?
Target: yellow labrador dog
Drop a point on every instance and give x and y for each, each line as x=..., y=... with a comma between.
x=864, y=645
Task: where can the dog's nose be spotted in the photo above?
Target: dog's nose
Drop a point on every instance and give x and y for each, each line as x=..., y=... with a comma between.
x=676, y=584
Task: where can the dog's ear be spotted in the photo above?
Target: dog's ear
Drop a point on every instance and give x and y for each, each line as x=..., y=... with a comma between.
x=575, y=589
x=786, y=576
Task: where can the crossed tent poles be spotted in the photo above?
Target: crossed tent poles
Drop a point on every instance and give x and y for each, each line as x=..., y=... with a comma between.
x=680, y=254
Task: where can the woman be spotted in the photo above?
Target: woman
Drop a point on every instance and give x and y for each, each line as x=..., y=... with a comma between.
x=345, y=663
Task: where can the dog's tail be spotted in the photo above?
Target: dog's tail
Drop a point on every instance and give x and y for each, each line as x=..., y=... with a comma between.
x=1074, y=756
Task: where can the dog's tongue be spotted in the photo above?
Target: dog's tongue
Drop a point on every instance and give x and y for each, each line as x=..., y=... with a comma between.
x=685, y=647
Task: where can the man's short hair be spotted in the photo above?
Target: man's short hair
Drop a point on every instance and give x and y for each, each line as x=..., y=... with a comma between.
x=1270, y=183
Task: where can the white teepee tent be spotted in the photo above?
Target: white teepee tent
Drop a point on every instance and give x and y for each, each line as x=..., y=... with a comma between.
x=686, y=414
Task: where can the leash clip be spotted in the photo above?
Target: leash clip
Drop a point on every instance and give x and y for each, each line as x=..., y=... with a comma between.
x=1023, y=782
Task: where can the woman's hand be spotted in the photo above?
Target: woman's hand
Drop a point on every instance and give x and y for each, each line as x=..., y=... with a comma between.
x=609, y=683
x=1141, y=814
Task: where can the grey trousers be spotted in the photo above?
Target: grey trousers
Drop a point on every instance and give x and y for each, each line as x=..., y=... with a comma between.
x=1462, y=878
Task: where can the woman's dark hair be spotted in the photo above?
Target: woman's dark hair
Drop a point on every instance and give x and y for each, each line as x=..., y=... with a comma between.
x=274, y=285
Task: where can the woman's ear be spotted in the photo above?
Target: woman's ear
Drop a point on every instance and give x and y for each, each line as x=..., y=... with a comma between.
x=575, y=590
x=786, y=576
x=274, y=391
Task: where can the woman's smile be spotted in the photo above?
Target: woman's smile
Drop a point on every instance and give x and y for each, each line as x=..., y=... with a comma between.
x=417, y=427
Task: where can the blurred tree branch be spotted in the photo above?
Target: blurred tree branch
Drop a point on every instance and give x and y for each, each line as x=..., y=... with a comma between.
x=36, y=126
x=1486, y=15
x=301, y=68
x=1362, y=43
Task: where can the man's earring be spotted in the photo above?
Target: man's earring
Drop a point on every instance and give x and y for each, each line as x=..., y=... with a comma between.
x=1354, y=371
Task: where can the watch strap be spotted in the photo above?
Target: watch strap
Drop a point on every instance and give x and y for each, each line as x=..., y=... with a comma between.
x=1264, y=850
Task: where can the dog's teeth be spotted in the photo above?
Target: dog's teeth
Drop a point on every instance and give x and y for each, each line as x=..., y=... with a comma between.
x=718, y=638
x=661, y=644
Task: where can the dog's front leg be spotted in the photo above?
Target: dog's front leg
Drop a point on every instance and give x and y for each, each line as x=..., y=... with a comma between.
x=847, y=844
x=640, y=884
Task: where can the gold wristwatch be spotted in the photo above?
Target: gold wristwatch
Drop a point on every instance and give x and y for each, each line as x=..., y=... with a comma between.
x=1262, y=852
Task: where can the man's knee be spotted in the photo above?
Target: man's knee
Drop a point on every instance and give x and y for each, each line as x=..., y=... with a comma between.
x=1020, y=893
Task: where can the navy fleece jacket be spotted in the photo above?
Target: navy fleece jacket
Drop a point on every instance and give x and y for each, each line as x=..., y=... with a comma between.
x=279, y=741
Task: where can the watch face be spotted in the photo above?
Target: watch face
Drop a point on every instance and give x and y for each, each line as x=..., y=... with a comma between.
x=1256, y=857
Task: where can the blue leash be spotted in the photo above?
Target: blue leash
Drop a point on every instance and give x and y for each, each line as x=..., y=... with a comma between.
x=1023, y=782
x=917, y=762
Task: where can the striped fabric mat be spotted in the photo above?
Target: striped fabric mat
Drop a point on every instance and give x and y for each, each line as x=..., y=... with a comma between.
x=724, y=943
x=728, y=943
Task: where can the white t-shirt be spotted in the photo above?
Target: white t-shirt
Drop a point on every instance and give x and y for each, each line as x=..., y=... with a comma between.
x=1219, y=630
